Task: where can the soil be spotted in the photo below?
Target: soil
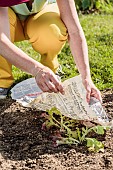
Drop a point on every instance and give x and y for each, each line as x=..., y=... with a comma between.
x=24, y=146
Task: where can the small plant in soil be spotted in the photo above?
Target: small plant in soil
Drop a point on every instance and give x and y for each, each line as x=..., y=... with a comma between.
x=70, y=131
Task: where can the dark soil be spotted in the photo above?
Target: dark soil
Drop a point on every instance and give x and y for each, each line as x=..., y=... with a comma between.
x=24, y=146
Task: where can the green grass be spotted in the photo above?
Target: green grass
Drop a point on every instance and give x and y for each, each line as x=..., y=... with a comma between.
x=98, y=30
x=99, y=34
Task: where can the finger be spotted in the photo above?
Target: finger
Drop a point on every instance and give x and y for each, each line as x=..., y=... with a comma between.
x=51, y=86
x=88, y=95
x=45, y=84
x=100, y=97
x=57, y=84
x=43, y=87
x=97, y=95
x=88, y=91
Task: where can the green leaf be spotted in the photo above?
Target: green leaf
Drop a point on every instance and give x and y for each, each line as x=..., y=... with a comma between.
x=94, y=145
x=99, y=130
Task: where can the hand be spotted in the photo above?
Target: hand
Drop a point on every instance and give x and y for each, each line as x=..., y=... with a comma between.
x=91, y=90
x=48, y=82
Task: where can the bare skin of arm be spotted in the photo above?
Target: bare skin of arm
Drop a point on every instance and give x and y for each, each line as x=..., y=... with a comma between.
x=78, y=45
x=45, y=78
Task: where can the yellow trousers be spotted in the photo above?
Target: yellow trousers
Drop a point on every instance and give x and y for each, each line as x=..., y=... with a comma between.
x=44, y=30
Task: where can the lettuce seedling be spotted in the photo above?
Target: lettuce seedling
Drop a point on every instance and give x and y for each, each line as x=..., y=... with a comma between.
x=73, y=132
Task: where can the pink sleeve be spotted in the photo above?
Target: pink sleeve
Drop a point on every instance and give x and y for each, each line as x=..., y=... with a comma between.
x=6, y=3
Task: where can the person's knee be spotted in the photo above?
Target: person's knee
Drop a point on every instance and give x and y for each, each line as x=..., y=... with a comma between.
x=48, y=31
x=57, y=31
x=56, y=27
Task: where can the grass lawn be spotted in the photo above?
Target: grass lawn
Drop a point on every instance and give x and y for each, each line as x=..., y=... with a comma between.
x=98, y=30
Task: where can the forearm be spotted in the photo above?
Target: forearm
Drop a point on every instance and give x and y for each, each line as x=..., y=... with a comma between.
x=17, y=57
x=79, y=51
x=77, y=39
x=12, y=53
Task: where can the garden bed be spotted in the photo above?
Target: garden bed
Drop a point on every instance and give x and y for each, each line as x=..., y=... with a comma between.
x=24, y=146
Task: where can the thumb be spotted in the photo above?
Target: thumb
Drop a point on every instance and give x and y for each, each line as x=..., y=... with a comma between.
x=88, y=94
x=88, y=90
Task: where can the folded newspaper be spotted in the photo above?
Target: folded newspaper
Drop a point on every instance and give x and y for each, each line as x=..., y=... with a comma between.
x=73, y=104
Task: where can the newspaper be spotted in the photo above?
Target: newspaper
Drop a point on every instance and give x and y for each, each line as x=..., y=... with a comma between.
x=25, y=91
x=73, y=104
